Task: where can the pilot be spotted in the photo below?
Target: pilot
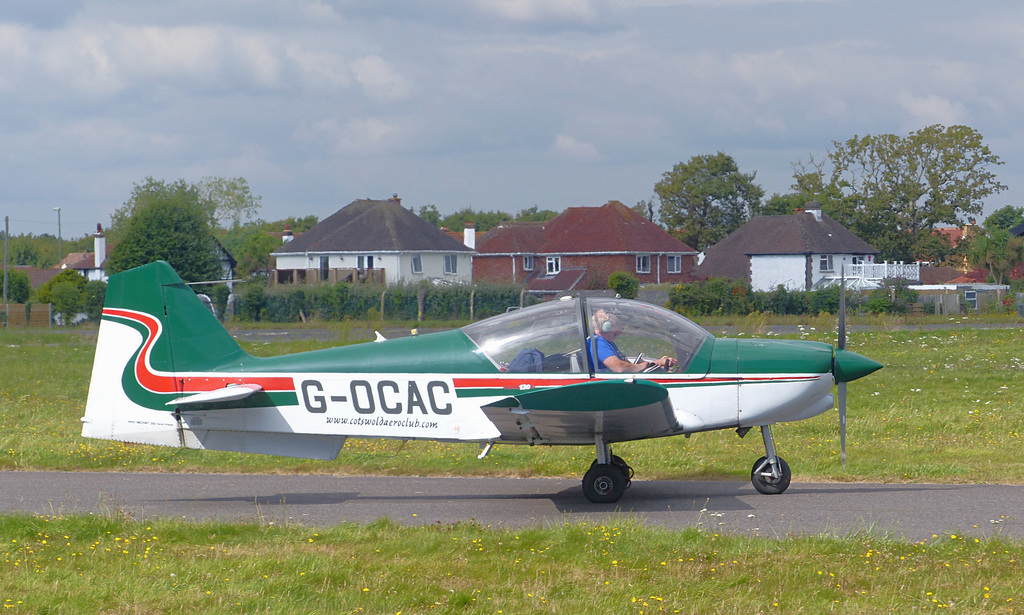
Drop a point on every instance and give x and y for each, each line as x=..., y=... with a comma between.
x=605, y=327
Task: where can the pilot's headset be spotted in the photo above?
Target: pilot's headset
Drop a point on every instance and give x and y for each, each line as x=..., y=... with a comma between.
x=604, y=322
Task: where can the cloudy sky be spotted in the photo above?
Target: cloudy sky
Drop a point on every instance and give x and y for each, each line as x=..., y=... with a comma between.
x=489, y=104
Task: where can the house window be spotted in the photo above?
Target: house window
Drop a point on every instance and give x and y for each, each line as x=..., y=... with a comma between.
x=364, y=262
x=643, y=263
x=528, y=263
x=325, y=268
x=826, y=262
x=417, y=264
x=857, y=260
x=675, y=263
x=451, y=263
x=554, y=265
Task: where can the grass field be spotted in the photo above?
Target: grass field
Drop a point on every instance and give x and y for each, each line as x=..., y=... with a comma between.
x=94, y=565
x=946, y=408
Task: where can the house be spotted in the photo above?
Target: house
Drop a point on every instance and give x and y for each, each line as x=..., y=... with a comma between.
x=579, y=249
x=798, y=252
x=373, y=241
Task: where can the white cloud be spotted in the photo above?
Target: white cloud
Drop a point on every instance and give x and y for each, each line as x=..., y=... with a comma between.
x=931, y=109
x=380, y=80
x=539, y=10
x=569, y=147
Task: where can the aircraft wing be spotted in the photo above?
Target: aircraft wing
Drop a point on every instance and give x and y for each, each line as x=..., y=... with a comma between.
x=574, y=414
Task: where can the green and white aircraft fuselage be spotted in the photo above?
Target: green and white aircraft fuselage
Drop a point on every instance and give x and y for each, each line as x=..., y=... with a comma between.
x=167, y=373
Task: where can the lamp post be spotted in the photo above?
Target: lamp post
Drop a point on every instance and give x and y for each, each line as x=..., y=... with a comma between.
x=60, y=250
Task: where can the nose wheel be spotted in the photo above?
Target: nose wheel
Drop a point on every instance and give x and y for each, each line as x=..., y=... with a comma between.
x=770, y=474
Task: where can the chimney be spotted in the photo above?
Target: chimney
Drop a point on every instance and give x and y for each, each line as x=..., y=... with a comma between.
x=287, y=235
x=813, y=208
x=99, y=242
x=469, y=236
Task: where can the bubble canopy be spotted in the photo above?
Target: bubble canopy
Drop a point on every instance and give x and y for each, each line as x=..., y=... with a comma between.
x=559, y=332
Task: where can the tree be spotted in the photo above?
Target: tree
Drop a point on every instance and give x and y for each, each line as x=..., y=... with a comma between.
x=19, y=287
x=781, y=205
x=535, y=214
x=1005, y=218
x=483, y=220
x=68, y=276
x=431, y=215
x=997, y=252
x=228, y=200
x=707, y=198
x=166, y=222
x=254, y=254
x=893, y=190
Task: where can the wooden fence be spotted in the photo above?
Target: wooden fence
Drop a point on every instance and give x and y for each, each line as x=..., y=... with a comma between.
x=26, y=314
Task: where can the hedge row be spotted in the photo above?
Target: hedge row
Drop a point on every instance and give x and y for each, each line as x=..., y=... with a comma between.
x=734, y=297
x=255, y=302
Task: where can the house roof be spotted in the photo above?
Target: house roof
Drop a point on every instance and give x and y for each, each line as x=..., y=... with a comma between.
x=37, y=277
x=373, y=226
x=939, y=275
x=512, y=238
x=800, y=233
x=612, y=227
x=563, y=281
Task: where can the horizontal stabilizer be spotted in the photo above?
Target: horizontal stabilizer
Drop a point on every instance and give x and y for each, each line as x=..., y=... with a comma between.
x=231, y=392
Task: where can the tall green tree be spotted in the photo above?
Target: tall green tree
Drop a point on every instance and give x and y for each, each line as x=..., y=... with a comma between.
x=1005, y=218
x=707, y=198
x=228, y=201
x=19, y=287
x=535, y=214
x=892, y=190
x=997, y=252
x=165, y=222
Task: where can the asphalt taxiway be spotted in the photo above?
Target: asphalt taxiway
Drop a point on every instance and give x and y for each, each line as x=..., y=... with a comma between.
x=908, y=511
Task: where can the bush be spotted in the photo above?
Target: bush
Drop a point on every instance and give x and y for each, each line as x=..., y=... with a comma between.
x=19, y=287
x=93, y=295
x=624, y=284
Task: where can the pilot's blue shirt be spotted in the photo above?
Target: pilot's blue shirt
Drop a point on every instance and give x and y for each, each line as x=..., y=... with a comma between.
x=605, y=349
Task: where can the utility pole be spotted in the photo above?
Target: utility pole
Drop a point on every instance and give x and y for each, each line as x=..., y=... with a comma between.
x=60, y=250
x=7, y=239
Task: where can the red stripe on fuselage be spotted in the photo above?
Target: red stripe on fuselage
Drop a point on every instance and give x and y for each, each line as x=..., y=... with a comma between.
x=163, y=383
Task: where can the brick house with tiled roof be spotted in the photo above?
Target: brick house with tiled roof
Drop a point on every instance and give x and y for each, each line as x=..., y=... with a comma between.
x=579, y=249
x=794, y=251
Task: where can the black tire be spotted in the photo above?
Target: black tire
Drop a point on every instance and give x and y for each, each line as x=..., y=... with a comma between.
x=604, y=483
x=767, y=485
x=627, y=471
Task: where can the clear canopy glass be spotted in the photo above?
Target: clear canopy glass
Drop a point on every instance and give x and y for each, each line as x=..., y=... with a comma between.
x=552, y=337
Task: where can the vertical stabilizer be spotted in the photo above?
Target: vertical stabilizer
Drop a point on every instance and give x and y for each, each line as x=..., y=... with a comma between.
x=154, y=334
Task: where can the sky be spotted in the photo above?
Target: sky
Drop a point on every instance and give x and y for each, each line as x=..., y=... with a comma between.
x=487, y=104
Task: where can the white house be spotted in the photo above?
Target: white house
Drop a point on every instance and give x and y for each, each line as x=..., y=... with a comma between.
x=374, y=241
x=796, y=252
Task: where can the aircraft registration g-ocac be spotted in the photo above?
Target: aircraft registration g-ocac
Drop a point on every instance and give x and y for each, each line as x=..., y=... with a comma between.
x=167, y=373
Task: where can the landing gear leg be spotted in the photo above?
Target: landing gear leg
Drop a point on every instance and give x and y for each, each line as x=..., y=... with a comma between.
x=770, y=474
x=608, y=476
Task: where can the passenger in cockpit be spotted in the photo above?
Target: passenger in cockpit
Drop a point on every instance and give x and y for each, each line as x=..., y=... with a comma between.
x=605, y=328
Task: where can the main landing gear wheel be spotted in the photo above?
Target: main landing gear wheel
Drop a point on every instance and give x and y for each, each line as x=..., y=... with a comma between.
x=604, y=483
x=766, y=481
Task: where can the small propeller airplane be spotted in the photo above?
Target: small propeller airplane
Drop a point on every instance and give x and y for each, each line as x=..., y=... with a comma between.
x=167, y=373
